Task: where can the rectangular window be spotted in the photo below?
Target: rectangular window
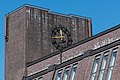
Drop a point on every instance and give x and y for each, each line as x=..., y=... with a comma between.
x=73, y=72
x=59, y=74
x=102, y=69
x=95, y=66
x=111, y=64
x=65, y=76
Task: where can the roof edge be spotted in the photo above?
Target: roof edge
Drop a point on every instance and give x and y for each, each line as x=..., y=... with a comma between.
x=46, y=9
x=26, y=5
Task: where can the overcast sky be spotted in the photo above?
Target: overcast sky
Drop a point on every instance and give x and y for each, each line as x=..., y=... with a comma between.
x=104, y=13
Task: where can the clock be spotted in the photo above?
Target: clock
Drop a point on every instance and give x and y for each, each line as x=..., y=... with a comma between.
x=61, y=37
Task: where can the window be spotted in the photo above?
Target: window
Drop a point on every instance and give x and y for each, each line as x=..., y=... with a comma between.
x=59, y=74
x=102, y=69
x=73, y=72
x=94, y=70
x=111, y=64
x=66, y=74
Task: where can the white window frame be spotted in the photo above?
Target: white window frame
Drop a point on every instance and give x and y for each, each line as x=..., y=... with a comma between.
x=111, y=63
x=95, y=67
x=103, y=66
x=65, y=76
x=57, y=76
x=72, y=75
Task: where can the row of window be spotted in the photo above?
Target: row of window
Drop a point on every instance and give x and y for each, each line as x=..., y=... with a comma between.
x=66, y=73
x=69, y=74
x=103, y=65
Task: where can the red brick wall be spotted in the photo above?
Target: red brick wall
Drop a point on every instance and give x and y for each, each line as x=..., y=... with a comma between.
x=41, y=22
x=15, y=47
x=85, y=65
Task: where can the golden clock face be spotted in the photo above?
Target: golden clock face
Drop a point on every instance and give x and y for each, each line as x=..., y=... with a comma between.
x=61, y=37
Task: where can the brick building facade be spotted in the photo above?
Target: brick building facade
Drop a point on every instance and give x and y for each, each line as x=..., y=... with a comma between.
x=96, y=58
x=31, y=56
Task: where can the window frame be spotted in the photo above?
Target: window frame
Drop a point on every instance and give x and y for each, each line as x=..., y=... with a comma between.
x=102, y=69
x=110, y=68
x=59, y=71
x=66, y=69
x=97, y=57
x=74, y=66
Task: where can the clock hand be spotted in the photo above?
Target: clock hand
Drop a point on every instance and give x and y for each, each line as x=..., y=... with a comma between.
x=58, y=37
x=61, y=34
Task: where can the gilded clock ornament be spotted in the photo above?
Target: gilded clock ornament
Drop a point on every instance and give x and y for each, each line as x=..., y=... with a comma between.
x=61, y=37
